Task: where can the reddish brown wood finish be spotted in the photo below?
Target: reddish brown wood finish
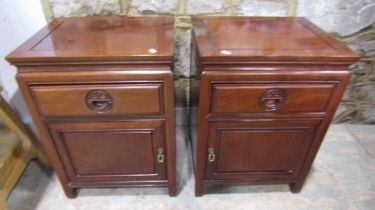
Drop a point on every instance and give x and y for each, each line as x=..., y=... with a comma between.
x=110, y=151
x=297, y=97
x=102, y=103
x=266, y=39
x=126, y=99
x=258, y=149
x=98, y=40
x=268, y=90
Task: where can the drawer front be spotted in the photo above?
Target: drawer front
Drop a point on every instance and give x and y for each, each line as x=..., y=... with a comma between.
x=111, y=151
x=258, y=149
x=107, y=99
x=279, y=98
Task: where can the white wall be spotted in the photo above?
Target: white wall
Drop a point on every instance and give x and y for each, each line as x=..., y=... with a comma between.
x=19, y=19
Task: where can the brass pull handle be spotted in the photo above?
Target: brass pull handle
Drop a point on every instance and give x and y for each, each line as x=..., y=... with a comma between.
x=160, y=157
x=99, y=101
x=211, y=155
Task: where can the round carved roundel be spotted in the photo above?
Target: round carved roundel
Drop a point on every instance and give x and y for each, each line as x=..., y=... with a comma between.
x=272, y=99
x=99, y=100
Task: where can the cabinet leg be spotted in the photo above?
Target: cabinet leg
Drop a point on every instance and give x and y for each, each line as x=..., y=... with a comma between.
x=70, y=192
x=198, y=189
x=172, y=189
x=296, y=187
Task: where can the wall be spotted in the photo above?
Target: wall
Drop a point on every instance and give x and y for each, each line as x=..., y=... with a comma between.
x=352, y=21
x=18, y=21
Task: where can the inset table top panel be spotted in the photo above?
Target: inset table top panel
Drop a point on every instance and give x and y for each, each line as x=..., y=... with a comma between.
x=264, y=39
x=96, y=39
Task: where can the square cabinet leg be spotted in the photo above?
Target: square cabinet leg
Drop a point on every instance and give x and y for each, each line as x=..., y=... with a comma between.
x=198, y=188
x=70, y=192
x=296, y=187
x=172, y=188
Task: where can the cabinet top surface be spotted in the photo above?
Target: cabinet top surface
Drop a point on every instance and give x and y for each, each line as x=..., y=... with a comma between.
x=99, y=39
x=266, y=39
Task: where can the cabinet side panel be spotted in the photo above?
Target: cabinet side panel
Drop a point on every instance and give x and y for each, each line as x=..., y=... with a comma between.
x=44, y=136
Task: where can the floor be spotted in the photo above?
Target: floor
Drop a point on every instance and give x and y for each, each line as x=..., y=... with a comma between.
x=343, y=177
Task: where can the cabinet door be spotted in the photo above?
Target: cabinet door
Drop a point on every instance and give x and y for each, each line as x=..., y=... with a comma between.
x=258, y=149
x=111, y=151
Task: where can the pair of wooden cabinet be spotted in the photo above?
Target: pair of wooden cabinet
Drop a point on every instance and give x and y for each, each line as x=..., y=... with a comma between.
x=100, y=91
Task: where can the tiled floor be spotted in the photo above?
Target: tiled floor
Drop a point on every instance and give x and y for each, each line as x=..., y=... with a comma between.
x=343, y=177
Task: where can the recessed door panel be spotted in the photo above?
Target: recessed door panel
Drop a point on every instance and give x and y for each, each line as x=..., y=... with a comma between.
x=104, y=153
x=111, y=151
x=258, y=149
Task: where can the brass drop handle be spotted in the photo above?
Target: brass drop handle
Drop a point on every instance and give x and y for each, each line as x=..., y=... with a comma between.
x=211, y=155
x=160, y=156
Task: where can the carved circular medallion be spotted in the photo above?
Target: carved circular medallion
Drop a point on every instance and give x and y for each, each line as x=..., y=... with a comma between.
x=99, y=101
x=272, y=99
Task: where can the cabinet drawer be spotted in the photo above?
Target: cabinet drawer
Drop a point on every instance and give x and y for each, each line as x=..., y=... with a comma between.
x=281, y=98
x=258, y=149
x=111, y=151
x=108, y=99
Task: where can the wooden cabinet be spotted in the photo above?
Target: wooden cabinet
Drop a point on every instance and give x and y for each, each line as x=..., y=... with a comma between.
x=100, y=91
x=268, y=89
